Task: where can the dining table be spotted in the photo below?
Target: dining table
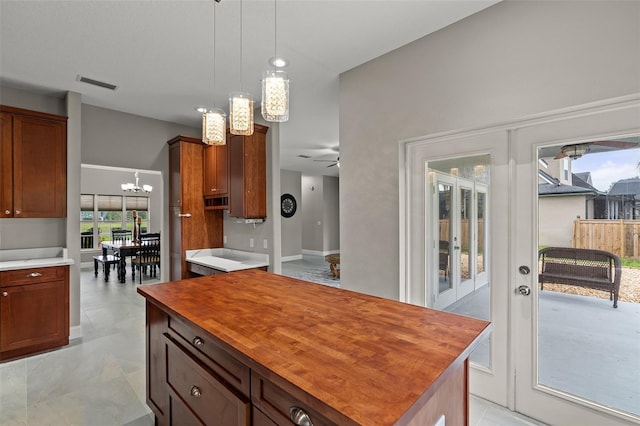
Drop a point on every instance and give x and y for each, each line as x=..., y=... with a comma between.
x=122, y=249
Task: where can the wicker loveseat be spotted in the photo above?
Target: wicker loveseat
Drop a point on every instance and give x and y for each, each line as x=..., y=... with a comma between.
x=595, y=269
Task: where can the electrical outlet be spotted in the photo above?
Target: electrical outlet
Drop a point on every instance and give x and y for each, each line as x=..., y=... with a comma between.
x=251, y=242
x=264, y=244
x=224, y=239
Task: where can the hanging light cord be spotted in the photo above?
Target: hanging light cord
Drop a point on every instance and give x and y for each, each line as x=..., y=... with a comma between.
x=241, y=78
x=214, y=53
x=275, y=30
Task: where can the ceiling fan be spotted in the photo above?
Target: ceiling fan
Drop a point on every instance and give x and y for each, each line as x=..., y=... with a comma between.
x=335, y=162
x=576, y=151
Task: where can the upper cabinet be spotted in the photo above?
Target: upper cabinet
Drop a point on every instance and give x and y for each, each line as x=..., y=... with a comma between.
x=33, y=156
x=216, y=171
x=248, y=174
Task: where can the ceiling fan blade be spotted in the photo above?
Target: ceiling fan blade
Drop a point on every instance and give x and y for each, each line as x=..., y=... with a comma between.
x=331, y=165
x=616, y=144
x=560, y=155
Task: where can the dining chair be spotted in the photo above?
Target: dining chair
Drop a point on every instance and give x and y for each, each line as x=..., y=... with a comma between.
x=148, y=255
x=121, y=235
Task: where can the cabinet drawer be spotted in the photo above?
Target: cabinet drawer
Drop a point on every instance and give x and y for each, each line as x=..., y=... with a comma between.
x=204, y=394
x=32, y=275
x=260, y=419
x=278, y=404
x=227, y=367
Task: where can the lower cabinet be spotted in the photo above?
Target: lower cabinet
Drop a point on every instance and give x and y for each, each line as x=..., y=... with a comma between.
x=192, y=381
x=34, y=310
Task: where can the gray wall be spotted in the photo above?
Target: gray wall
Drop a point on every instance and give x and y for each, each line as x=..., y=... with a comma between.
x=331, y=213
x=320, y=215
x=514, y=59
x=290, y=183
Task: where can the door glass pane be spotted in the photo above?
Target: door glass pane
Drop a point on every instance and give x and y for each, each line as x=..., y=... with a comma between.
x=480, y=207
x=458, y=239
x=465, y=233
x=444, y=255
x=586, y=346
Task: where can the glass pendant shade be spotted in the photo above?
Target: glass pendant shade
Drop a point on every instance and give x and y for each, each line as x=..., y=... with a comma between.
x=240, y=114
x=275, y=95
x=214, y=127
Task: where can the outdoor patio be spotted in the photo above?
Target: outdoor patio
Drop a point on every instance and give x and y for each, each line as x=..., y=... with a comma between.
x=586, y=347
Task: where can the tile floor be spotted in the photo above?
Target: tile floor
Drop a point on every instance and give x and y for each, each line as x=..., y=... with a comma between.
x=100, y=378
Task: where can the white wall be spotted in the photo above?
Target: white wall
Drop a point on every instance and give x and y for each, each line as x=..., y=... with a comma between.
x=556, y=216
x=512, y=60
x=331, y=214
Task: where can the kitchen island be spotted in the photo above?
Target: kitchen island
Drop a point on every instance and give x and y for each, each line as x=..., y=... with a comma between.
x=258, y=348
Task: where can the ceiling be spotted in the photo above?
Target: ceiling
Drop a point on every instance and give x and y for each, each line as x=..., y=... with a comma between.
x=160, y=54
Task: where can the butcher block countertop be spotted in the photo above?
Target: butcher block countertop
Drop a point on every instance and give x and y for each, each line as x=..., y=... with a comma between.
x=370, y=359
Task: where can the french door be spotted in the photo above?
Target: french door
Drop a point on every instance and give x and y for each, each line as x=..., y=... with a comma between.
x=568, y=372
x=457, y=217
x=455, y=241
x=512, y=367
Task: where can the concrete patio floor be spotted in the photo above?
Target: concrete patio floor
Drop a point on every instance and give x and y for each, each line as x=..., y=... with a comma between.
x=586, y=347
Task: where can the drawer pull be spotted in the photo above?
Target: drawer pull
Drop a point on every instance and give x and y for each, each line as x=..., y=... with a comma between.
x=5, y=294
x=195, y=391
x=299, y=417
x=198, y=342
x=34, y=275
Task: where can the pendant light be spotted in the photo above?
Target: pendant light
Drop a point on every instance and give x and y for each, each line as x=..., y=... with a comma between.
x=240, y=103
x=275, y=84
x=214, y=125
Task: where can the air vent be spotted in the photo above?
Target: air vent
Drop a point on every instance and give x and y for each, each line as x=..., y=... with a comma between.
x=304, y=156
x=97, y=83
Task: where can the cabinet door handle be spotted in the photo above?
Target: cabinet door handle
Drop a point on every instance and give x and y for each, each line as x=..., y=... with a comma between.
x=195, y=391
x=5, y=294
x=198, y=342
x=34, y=275
x=7, y=212
x=184, y=214
x=299, y=417
x=18, y=212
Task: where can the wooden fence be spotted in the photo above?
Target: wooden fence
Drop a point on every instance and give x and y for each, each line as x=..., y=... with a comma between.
x=621, y=237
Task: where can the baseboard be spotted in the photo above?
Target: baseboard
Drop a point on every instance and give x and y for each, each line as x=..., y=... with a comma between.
x=319, y=253
x=75, y=332
x=290, y=258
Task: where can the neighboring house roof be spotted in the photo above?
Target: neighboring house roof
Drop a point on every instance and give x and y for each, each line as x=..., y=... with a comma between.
x=553, y=187
x=545, y=189
x=626, y=187
x=578, y=179
x=585, y=176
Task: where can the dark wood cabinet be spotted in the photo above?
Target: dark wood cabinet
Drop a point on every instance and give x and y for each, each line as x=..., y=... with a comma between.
x=248, y=174
x=34, y=310
x=216, y=171
x=190, y=225
x=33, y=156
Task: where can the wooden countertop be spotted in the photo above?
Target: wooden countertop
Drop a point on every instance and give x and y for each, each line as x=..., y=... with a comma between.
x=368, y=358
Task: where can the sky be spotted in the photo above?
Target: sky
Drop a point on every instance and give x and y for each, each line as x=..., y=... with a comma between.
x=609, y=167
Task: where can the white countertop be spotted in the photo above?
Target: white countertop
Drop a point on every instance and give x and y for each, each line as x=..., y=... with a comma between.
x=227, y=260
x=33, y=258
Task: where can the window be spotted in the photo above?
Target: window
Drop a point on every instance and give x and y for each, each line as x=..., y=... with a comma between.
x=100, y=214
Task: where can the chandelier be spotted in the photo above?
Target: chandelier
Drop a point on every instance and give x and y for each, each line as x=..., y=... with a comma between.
x=240, y=103
x=214, y=125
x=135, y=187
x=275, y=84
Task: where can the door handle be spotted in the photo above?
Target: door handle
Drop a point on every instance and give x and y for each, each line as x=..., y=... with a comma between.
x=184, y=214
x=524, y=290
